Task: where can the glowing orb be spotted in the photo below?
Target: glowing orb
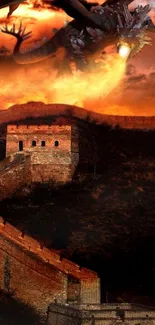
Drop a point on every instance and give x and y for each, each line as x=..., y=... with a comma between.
x=124, y=50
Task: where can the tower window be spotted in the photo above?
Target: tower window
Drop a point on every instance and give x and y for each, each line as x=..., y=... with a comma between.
x=43, y=143
x=20, y=145
x=56, y=143
x=34, y=143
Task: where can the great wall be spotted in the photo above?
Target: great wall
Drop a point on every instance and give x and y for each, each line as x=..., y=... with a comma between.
x=52, y=285
x=43, y=275
x=37, y=154
x=60, y=291
x=39, y=109
x=105, y=314
x=50, y=153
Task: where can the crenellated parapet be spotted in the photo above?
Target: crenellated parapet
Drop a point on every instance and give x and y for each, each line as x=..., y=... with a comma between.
x=53, y=150
x=49, y=256
x=31, y=129
x=37, y=275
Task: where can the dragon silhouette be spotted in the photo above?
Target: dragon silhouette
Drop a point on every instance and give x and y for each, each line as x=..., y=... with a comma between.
x=93, y=28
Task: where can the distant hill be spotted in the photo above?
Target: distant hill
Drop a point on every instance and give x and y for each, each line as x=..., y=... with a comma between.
x=39, y=109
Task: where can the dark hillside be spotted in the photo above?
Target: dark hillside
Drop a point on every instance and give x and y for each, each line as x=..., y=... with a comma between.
x=105, y=219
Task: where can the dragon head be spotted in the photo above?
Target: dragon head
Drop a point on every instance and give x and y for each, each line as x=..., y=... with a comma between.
x=129, y=48
x=132, y=36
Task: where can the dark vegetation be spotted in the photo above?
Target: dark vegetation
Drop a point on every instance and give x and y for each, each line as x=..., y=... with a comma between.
x=105, y=219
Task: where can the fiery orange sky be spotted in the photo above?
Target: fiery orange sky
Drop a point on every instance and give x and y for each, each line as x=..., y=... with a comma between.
x=117, y=89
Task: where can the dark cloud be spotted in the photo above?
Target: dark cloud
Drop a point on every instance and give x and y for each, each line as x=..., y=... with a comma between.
x=136, y=79
x=152, y=74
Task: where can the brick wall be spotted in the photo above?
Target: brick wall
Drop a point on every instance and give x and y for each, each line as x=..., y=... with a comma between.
x=38, y=109
x=32, y=273
x=26, y=276
x=64, y=315
x=49, y=162
x=103, y=315
x=90, y=291
x=107, y=314
x=49, y=134
x=51, y=158
x=29, y=280
x=52, y=173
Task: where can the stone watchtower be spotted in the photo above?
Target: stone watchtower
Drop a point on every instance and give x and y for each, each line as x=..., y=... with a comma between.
x=53, y=150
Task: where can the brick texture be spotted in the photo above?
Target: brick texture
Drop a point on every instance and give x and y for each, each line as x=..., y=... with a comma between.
x=55, y=161
x=100, y=315
x=38, y=109
x=34, y=274
x=49, y=154
x=90, y=291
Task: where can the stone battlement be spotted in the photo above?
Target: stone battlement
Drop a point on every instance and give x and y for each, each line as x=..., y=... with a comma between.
x=46, y=255
x=125, y=122
x=53, y=156
x=28, y=129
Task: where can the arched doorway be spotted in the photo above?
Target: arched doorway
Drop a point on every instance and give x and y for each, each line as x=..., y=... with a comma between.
x=34, y=143
x=43, y=143
x=20, y=145
x=56, y=143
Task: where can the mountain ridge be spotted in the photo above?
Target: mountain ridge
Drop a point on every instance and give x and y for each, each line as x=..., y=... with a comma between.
x=40, y=109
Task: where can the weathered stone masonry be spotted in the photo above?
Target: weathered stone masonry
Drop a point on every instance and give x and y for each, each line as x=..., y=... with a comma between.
x=36, y=275
x=53, y=149
x=106, y=314
x=38, y=154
